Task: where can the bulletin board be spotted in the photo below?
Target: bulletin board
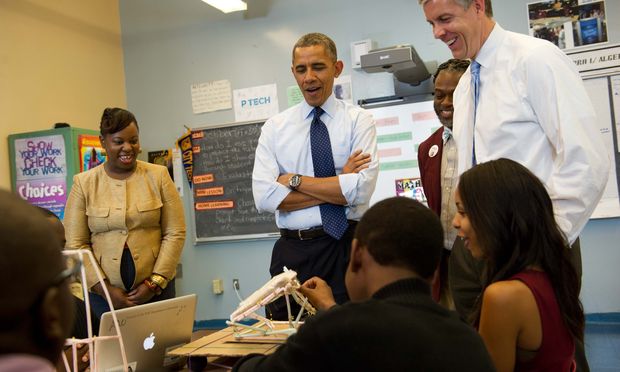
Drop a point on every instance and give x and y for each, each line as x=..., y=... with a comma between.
x=222, y=184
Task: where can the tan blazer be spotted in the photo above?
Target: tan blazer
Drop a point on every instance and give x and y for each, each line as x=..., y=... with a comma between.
x=144, y=212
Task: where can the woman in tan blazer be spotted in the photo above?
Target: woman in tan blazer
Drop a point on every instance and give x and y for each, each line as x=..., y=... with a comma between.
x=129, y=214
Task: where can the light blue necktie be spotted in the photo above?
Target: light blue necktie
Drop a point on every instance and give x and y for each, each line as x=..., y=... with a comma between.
x=445, y=136
x=475, y=81
x=333, y=216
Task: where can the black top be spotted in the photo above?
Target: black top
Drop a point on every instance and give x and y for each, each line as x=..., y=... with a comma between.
x=399, y=329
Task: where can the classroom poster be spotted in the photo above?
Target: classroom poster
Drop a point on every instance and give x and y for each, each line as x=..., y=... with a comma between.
x=41, y=171
x=294, y=95
x=162, y=157
x=568, y=23
x=171, y=159
x=187, y=155
x=342, y=88
x=91, y=152
x=211, y=96
x=411, y=188
x=256, y=103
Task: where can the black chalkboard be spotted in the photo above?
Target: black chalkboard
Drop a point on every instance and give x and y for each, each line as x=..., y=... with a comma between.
x=222, y=184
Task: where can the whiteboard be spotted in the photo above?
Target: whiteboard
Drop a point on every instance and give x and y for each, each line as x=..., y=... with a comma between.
x=400, y=129
x=603, y=102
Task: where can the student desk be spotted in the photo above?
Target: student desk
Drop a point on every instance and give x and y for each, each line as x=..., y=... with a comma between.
x=222, y=349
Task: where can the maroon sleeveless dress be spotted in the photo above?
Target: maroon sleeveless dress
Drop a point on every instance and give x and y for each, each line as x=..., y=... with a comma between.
x=556, y=352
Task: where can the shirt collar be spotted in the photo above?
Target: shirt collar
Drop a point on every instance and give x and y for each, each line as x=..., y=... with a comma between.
x=329, y=106
x=487, y=51
x=404, y=286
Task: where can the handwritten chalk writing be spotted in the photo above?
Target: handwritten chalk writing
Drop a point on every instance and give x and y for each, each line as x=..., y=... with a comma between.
x=228, y=154
x=31, y=191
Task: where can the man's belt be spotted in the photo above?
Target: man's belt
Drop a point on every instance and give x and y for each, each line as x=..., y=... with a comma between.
x=307, y=234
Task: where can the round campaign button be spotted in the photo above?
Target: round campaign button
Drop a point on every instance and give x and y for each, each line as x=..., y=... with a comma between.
x=433, y=151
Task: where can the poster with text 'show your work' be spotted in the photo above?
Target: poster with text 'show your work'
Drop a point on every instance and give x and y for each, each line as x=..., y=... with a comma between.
x=41, y=171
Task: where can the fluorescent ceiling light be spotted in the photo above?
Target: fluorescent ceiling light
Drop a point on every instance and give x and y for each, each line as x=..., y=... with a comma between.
x=228, y=6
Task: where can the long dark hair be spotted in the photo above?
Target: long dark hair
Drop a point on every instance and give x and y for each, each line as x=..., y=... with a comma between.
x=512, y=216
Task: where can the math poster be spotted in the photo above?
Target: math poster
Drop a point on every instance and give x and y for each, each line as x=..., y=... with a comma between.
x=410, y=188
x=41, y=171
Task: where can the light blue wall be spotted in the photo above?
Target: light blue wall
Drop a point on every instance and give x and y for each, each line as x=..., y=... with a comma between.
x=168, y=46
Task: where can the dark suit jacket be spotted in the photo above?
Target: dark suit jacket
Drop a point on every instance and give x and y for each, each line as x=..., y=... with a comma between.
x=399, y=329
x=430, y=170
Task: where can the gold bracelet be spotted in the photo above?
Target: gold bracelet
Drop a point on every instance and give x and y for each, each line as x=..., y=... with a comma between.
x=152, y=286
x=159, y=280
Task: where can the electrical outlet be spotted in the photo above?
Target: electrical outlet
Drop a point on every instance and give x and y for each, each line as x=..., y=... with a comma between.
x=236, y=284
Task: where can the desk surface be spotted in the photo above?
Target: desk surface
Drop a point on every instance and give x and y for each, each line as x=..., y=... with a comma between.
x=223, y=344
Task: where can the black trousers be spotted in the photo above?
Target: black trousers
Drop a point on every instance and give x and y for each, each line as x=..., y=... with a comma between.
x=465, y=278
x=324, y=257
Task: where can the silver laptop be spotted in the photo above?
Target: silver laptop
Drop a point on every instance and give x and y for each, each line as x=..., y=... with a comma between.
x=149, y=331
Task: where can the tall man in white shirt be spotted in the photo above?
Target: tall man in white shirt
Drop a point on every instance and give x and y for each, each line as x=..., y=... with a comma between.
x=529, y=104
x=315, y=168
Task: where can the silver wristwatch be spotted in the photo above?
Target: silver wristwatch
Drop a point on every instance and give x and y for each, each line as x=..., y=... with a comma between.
x=294, y=181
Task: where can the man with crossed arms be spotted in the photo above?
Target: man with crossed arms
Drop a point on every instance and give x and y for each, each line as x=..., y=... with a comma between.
x=315, y=168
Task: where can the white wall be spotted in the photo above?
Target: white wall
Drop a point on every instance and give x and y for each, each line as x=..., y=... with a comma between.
x=168, y=46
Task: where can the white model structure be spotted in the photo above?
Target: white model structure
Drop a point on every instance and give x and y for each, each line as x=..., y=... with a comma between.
x=284, y=284
x=73, y=342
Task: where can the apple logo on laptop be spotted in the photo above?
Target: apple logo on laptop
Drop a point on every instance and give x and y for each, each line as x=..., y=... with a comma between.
x=149, y=342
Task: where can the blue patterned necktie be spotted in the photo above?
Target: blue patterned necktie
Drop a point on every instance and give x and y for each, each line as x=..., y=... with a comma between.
x=333, y=216
x=475, y=74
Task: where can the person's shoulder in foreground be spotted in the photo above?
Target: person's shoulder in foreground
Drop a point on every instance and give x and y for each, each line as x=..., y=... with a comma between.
x=37, y=309
x=392, y=324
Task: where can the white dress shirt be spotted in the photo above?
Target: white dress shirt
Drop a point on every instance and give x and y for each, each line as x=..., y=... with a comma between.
x=534, y=109
x=284, y=147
